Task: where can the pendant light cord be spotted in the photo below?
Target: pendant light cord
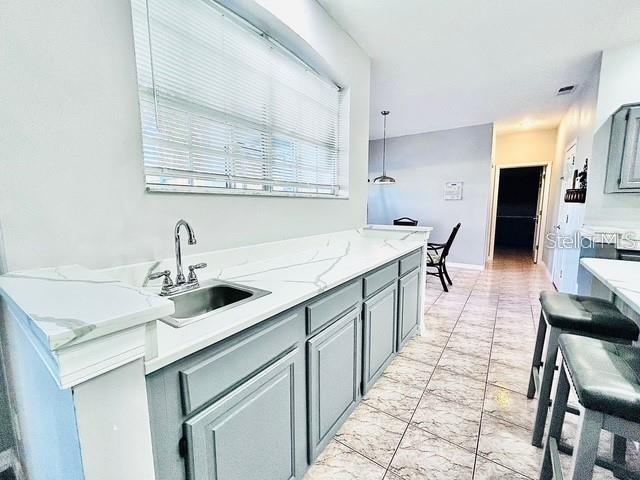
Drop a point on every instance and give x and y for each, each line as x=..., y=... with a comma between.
x=384, y=145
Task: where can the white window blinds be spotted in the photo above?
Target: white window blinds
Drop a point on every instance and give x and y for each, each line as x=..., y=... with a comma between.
x=225, y=109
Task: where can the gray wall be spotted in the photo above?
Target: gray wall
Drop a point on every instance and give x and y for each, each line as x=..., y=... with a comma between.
x=422, y=164
x=72, y=185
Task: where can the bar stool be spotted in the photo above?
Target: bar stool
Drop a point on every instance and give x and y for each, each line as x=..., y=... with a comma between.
x=606, y=379
x=581, y=315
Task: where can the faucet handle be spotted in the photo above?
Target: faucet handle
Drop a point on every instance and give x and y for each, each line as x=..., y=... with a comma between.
x=166, y=282
x=192, y=271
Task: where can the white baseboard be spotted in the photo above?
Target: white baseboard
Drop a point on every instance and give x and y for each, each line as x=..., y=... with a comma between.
x=468, y=266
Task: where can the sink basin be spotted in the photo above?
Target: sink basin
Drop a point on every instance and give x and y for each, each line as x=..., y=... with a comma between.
x=217, y=295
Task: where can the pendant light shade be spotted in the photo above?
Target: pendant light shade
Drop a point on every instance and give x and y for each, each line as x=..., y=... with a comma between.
x=384, y=179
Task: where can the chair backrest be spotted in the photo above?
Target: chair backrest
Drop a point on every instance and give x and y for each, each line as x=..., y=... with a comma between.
x=405, y=221
x=447, y=245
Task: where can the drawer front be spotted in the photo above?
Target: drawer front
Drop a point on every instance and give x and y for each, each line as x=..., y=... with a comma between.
x=212, y=376
x=410, y=263
x=380, y=278
x=326, y=309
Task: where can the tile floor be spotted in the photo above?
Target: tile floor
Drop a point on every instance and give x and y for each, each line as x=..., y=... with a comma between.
x=452, y=405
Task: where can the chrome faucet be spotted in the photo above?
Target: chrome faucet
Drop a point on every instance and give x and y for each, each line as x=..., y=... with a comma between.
x=192, y=241
x=181, y=283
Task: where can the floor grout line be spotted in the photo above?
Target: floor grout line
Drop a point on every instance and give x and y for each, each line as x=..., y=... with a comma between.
x=423, y=392
x=497, y=296
x=484, y=396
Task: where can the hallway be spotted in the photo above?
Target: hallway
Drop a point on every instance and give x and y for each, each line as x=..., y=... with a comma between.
x=453, y=404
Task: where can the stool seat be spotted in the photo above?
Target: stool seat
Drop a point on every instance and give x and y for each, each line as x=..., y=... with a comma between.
x=588, y=315
x=605, y=375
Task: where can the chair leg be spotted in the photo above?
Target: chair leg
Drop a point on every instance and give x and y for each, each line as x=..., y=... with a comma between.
x=619, y=453
x=446, y=274
x=586, y=449
x=441, y=276
x=545, y=387
x=537, y=355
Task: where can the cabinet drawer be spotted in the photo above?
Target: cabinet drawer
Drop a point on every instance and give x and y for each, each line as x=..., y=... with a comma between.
x=209, y=377
x=329, y=307
x=410, y=262
x=380, y=278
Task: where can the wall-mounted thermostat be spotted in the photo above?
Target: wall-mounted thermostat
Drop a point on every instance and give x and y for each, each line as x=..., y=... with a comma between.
x=453, y=191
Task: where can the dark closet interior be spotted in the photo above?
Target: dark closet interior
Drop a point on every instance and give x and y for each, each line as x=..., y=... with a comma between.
x=516, y=212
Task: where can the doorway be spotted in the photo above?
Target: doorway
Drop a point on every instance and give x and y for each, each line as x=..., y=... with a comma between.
x=519, y=205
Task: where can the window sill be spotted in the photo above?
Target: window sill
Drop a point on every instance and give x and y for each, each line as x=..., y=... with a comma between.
x=230, y=191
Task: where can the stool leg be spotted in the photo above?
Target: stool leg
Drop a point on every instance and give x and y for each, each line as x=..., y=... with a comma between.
x=545, y=387
x=586, y=449
x=546, y=472
x=619, y=452
x=555, y=427
x=559, y=405
x=537, y=355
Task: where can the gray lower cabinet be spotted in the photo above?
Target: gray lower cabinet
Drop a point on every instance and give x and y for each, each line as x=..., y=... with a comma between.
x=258, y=427
x=333, y=359
x=265, y=402
x=408, y=295
x=379, y=330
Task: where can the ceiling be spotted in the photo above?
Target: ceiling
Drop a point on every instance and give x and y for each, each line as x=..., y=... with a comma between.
x=439, y=64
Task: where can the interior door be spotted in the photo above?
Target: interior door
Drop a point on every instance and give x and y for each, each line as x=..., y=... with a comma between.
x=538, y=218
x=562, y=225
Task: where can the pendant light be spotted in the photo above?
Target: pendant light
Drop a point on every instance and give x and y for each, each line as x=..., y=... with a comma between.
x=384, y=179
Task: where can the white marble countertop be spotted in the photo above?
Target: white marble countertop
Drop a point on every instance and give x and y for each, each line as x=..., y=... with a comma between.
x=623, y=237
x=399, y=228
x=72, y=304
x=292, y=278
x=619, y=276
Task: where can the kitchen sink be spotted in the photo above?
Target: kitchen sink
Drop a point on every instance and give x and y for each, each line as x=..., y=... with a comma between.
x=212, y=295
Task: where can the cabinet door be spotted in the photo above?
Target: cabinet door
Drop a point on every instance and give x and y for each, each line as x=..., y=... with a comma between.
x=258, y=427
x=334, y=378
x=409, y=288
x=630, y=171
x=379, y=321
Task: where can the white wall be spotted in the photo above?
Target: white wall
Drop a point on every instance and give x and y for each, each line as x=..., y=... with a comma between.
x=577, y=126
x=422, y=164
x=72, y=187
x=619, y=84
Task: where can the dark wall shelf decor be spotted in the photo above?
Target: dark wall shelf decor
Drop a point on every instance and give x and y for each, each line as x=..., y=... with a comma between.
x=578, y=195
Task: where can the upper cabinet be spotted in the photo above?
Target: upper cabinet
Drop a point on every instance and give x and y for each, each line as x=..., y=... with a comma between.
x=623, y=165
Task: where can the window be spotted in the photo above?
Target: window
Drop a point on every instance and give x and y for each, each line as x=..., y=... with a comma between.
x=226, y=109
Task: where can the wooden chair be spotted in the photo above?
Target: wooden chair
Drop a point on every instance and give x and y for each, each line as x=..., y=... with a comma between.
x=405, y=221
x=437, y=258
